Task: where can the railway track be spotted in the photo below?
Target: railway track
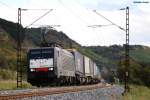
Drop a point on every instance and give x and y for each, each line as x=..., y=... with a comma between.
x=50, y=91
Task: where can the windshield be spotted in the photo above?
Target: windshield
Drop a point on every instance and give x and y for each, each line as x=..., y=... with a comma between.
x=41, y=58
x=41, y=63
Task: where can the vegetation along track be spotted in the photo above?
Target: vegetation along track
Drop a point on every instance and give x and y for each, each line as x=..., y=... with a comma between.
x=50, y=91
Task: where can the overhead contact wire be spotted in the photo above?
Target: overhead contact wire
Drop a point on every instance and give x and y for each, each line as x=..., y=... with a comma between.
x=39, y=18
x=109, y=20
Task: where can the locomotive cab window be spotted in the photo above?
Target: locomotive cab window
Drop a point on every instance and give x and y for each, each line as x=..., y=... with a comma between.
x=39, y=59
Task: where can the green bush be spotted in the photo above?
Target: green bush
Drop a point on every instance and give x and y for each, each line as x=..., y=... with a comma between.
x=3, y=61
x=137, y=92
x=7, y=74
x=10, y=84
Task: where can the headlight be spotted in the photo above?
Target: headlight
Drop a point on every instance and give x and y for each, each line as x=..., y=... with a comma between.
x=32, y=69
x=51, y=68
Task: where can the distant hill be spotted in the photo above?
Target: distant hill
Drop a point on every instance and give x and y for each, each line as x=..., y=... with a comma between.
x=34, y=35
x=111, y=55
x=7, y=49
x=112, y=58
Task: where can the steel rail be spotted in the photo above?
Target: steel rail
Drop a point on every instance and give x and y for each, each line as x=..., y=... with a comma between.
x=51, y=91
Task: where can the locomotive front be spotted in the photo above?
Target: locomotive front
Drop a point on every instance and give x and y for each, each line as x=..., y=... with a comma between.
x=41, y=68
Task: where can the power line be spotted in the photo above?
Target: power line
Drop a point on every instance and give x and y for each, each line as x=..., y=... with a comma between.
x=72, y=12
x=34, y=9
x=109, y=20
x=54, y=25
x=38, y=18
x=94, y=26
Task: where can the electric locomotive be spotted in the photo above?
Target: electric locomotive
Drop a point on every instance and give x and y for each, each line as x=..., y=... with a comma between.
x=50, y=64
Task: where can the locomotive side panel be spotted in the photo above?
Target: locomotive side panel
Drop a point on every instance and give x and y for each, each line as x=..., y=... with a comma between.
x=66, y=65
x=57, y=61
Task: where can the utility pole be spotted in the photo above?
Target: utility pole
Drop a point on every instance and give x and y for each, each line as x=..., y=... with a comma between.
x=19, y=46
x=19, y=57
x=127, y=58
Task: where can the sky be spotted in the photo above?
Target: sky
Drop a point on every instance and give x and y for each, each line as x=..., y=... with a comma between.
x=76, y=16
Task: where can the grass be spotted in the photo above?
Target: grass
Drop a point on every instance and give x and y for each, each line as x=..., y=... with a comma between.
x=11, y=84
x=137, y=93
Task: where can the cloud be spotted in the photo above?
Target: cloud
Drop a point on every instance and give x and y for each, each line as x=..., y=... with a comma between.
x=75, y=17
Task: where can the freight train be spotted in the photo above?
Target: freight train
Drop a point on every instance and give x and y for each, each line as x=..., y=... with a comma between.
x=48, y=65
